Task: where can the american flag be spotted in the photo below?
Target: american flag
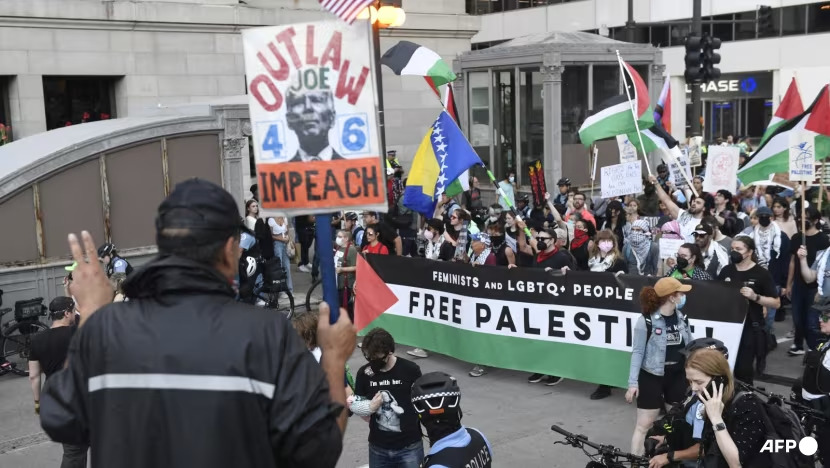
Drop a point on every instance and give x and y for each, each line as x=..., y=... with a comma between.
x=347, y=10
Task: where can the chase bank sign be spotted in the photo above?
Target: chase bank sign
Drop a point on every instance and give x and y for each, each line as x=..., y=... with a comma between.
x=737, y=85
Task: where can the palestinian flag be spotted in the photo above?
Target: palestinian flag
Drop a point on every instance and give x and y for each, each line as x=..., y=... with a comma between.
x=788, y=109
x=653, y=138
x=774, y=155
x=408, y=58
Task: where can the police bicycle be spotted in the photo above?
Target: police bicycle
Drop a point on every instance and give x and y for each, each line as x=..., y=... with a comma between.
x=17, y=334
x=265, y=283
x=605, y=455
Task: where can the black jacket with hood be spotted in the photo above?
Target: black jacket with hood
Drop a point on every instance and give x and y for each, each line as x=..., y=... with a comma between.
x=182, y=375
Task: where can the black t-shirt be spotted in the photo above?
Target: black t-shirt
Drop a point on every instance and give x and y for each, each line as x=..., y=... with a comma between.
x=674, y=341
x=395, y=425
x=815, y=244
x=49, y=348
x=761, y=282
x=560, y=259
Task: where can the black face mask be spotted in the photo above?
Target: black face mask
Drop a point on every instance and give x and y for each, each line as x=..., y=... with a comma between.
x=542, y=246
x=764, y=221
x=682, y=263
x=735, y=257
x=497, y=240
x=377, y=364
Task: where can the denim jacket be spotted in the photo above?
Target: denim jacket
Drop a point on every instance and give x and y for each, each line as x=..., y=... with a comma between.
x=651, y=356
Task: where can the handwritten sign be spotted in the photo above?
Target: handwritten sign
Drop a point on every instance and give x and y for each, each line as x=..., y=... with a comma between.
x=669, y=247
x=312, y=103
x=695, y=159
x=678, y=163
x=628, y=153
x=621, y=179
x=802, y=156
x=721, y=169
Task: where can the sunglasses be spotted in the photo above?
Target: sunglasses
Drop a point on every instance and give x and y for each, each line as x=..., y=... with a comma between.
x=453, y=217
x=700, y=235
x=824, y=317
x=543, y=239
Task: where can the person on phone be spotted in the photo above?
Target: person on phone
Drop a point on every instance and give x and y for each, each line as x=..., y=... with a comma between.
x=734, y=431
x=758, y=287
x=656, y=375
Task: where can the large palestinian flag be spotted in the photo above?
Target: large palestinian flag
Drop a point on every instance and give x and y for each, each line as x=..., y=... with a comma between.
x=614, y=116
x=653, y=138
x=409, y=58
x=774, y=155
x=789, y=108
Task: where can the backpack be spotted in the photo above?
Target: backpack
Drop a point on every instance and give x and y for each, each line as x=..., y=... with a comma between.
x=274, y=276
x=401, y=216
x=262, y=232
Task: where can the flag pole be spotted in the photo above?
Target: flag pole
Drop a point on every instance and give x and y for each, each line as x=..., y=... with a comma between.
x=804, y=213
x=633, y=112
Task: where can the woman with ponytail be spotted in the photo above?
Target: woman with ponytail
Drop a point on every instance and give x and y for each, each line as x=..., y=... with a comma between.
x=657, y=377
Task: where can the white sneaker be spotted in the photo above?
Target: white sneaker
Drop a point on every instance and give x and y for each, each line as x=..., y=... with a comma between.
x=283, y=295
x=791, y=334
x=477, y=371
x=304, y=269
x=260, y=303
x=418, y=352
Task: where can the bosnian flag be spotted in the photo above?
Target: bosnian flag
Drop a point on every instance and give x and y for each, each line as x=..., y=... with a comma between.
x=409, y=58
x=789, y=108
x=614, y=115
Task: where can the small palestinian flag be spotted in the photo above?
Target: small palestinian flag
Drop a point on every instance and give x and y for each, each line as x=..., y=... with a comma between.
x=408, y=58
x=614, y=115
x=789, y=108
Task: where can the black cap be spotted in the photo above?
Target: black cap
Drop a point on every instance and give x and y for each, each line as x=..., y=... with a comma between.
x=350, y=216
x=705, y=343
x=523, y=197
x=704, y=228
x=61, y=304
x=564, y=181
x=203, y=208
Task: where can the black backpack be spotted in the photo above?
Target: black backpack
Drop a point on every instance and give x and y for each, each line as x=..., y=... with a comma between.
x=262, y=232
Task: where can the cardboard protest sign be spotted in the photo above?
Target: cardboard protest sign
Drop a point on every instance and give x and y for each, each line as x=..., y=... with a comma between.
x=621, y=179
x=695, y=159
x=313, y=113
x=678, y=163
x=628, y=153
x=802, y=166
x=668, y=247
x=721, y=169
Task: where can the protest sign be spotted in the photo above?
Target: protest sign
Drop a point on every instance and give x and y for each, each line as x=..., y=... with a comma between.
x=668, y=247
x=721, y=169
x=313, y=113
x=802, y=166
x=695, y=158
x=628, y=153
x=578, y=326
x=621, y=179
x=678, y=163
x=538, y=186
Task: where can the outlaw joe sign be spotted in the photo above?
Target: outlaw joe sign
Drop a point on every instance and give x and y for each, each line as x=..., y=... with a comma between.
x=312, y=105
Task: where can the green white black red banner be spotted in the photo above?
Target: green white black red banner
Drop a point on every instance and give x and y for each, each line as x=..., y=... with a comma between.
x=578, y=326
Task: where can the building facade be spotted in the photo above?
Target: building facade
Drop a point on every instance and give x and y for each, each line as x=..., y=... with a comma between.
x=757, y=63
x=65, y=62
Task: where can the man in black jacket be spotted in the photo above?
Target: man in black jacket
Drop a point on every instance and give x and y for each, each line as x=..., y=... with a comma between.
x=183, y=375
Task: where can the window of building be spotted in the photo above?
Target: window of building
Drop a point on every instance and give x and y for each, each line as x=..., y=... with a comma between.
x=724, y=30
x=531, y=120
x=678, y=32
x=775, y=29
x=504, y=122
x=660, y=36
x=745, y=30
x=818, y=18
x=793, y=20
x=606, y=82
x=5, y=116
x=75, y=100
x=479, y=118
x=574, y=102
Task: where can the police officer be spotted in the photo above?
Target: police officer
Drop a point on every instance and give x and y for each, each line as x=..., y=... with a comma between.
x=815, y=384
x=437, y=399
x=561, y=198
x=115, y=264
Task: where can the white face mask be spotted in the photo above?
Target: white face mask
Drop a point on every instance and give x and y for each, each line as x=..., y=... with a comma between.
x=512, y=179
x=428, y=235
x=340, y=242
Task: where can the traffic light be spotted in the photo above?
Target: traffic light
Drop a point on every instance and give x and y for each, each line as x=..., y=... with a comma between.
x=694, y=59
x=765, y=26
x=710, y=58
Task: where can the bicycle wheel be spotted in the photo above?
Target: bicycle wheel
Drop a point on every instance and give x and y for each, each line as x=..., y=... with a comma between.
x=17, y=344
x=314, y=286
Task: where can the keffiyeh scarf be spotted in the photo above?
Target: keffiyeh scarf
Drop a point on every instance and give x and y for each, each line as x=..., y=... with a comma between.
x=767, y=240
x=601, y=264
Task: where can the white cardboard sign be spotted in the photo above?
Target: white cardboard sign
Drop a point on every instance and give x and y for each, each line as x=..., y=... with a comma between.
x=695, y=159
x=628, y=153
x=621, y=179
x=802, y=166
x=668, y=247
x=721, y=169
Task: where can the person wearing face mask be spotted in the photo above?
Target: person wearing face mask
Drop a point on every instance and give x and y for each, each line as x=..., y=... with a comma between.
x=386, y=381
x=641, y=253
x=434, y=234
x=649, y=200
x=715, y=256
x=345, y=264
x=508, y=186
x=505, y=256
x=656, y=377
x=758, y=287
x=773, y=252
x=493, y=215
x=800, y=292
x=615, y=220
x=582, y=243
x=689, y=264
x=605, y=257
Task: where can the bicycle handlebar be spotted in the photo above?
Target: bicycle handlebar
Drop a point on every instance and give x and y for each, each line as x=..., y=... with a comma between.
x=605, y=450
x=811, y=411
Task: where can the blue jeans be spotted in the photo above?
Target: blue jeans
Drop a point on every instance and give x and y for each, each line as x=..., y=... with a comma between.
x=410, y=456
x=281, y=252
x=770, y=322
x=805, y=317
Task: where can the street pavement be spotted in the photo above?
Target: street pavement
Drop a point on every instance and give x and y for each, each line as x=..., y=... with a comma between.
x=514, y=415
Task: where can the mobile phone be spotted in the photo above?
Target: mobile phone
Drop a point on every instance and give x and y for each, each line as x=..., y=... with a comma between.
x=716, y=382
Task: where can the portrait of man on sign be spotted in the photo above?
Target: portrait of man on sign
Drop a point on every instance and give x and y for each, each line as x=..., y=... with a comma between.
x=310, y=115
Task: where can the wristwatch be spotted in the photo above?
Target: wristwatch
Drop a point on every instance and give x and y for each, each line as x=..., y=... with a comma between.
x=720, y=426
